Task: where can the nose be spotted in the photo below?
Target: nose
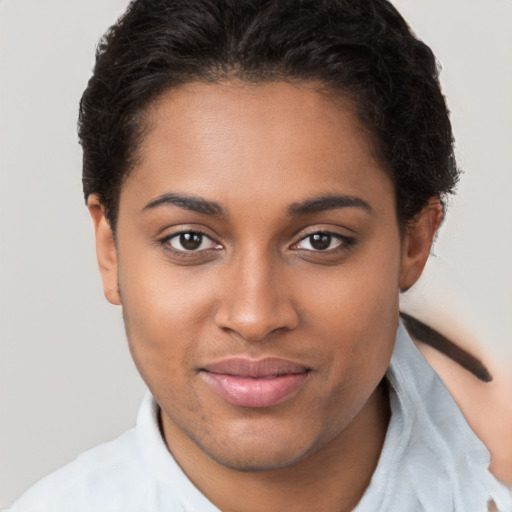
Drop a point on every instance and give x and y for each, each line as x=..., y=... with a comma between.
x=255, y=301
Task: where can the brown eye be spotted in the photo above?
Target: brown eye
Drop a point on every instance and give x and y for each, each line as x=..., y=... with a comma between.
x=191, y=241
x=320, y=242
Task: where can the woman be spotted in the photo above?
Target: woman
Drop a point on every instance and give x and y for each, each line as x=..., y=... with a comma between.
x=264, y=179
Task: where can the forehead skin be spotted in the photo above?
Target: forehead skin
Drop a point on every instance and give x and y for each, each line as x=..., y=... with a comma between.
x=230, y=123
x=257, y=152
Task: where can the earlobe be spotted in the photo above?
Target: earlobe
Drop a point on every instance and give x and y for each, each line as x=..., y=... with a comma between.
x=418, y=240
x=106, y=252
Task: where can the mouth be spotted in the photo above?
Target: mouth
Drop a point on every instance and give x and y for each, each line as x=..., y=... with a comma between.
x=248, y=383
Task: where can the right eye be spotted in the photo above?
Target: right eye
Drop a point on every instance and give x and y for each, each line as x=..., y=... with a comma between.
x=191, y=241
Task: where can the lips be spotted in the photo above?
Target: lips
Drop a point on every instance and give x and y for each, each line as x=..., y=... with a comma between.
x=248, y=383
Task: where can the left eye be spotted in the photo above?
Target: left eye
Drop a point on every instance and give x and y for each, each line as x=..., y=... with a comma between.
x=191, y=241
x=320, y=242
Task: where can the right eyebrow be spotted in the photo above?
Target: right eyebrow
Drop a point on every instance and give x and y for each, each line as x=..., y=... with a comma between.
x=190, y=203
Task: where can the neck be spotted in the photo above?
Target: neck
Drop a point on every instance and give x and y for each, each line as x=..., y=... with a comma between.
x=332, y=479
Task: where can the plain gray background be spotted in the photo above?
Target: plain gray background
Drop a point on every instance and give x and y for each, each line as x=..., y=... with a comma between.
x=67, y=380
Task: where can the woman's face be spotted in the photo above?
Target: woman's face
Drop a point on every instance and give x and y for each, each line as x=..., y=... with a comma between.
x=259, y=263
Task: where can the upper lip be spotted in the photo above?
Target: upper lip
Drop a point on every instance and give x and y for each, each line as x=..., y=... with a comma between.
x=244, y=367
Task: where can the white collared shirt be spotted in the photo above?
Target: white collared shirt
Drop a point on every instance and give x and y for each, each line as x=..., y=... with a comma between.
x=431, y=460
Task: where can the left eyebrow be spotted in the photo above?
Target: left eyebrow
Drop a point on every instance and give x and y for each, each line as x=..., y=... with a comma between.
x=328, y=202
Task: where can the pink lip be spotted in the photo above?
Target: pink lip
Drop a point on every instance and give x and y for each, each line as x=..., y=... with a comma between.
x=249, y=383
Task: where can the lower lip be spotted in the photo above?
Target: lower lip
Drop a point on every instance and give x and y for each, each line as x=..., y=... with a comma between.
x=254, y=392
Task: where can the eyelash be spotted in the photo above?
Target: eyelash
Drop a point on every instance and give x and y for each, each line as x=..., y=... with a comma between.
x=345, y=243
x=165, y=242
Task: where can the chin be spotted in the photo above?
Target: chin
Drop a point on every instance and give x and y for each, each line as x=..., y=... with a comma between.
x=257, y=462
x=260, y=449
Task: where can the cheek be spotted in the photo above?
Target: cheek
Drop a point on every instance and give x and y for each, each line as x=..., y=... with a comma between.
x=159, y=294
x=164, y=311
x=363, y=294
x=356, y=311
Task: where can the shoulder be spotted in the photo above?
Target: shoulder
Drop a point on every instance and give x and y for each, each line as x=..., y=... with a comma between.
x=431, y=459
x=134, y=473
x=108, y=470
x=481, y=389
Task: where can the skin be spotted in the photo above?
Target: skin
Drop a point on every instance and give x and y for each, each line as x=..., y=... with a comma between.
x=257, y=287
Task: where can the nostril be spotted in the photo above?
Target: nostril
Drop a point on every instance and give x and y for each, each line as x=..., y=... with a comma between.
x=256, y=327
x=255, y=300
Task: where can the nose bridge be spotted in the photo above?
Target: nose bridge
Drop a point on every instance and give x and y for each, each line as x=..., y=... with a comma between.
x=256, y=301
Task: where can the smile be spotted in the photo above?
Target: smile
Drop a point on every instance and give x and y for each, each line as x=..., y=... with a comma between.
x=248, y=383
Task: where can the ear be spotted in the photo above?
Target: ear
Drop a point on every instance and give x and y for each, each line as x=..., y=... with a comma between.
x=418, y=239
x=105, y=250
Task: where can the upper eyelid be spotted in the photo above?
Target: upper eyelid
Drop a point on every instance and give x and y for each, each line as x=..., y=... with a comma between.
x=183, y=231
x=299, y=237
x=179, y=230
x=331, y=228
x=324, y=232
x=341, y=238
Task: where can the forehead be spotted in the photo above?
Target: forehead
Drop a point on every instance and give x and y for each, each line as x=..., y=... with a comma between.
x=255, y=143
